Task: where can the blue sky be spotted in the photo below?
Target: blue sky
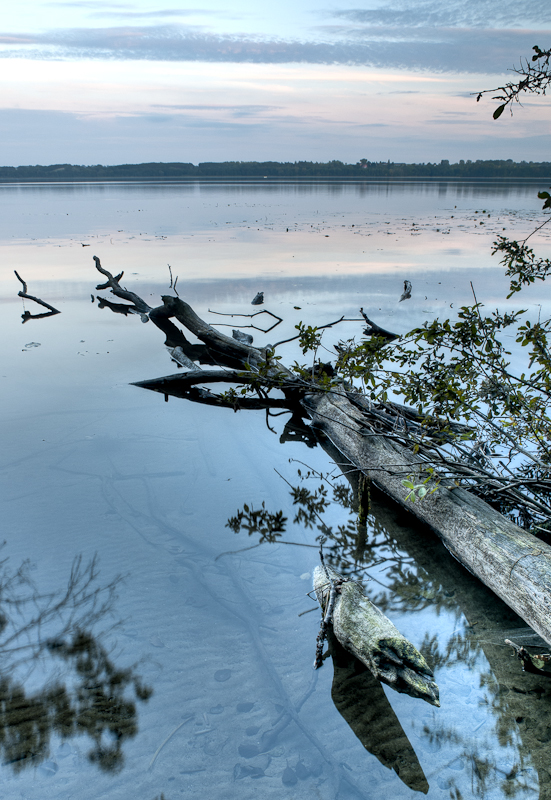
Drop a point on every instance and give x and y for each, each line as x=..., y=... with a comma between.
x=100, y=82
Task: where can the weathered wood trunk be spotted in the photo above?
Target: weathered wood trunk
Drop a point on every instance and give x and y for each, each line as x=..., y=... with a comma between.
x=510, y=561
x=364, y=631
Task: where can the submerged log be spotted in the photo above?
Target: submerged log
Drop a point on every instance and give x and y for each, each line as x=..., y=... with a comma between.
x=509, y=560
x=364, y=631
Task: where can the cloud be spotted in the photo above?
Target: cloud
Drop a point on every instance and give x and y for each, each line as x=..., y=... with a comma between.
x=459, y=14
x=248, y=108
x=92, y=5
x=160, y=13
x=236, y=111
x=419, y=48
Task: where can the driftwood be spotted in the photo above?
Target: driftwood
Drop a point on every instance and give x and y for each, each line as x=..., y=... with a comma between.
x=375, y=330
x=509, y=560
x=26, y=315
x=364, y=631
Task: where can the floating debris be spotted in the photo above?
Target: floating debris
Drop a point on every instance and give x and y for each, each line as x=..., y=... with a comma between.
x=407, y=291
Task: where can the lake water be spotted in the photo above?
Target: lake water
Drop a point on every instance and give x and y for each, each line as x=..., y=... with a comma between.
x=191, y=676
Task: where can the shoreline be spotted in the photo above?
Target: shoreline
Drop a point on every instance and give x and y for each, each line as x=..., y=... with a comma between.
x=273, y=179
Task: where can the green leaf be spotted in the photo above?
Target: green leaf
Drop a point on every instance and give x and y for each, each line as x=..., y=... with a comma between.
x=499, y=111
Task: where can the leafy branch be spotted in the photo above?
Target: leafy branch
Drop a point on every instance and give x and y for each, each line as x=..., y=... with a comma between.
x=535, y=78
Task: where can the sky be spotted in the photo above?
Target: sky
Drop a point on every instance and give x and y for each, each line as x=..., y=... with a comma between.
x=97, y=82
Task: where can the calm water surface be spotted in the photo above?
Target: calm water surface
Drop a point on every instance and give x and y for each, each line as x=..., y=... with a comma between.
x=147, y=648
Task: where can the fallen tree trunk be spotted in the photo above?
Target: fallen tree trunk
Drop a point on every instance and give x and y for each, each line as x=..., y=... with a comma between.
x=509, y=560
x=364, y=631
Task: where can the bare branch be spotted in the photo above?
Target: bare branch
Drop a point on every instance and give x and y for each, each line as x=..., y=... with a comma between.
x=139, y=306
x=249, y=316
x=26, y=316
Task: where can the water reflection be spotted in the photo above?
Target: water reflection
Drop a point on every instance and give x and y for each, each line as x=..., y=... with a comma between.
x=50, y=640
x=231, y=186
x=477, y=644
x=405, y=570
x=75, y=211
x=419, y=574
x=360, y=699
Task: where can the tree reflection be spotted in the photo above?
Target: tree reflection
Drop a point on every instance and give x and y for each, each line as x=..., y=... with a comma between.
x=91, y=696
x=420, y=574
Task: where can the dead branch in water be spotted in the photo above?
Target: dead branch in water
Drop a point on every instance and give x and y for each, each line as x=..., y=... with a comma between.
x=26, y=316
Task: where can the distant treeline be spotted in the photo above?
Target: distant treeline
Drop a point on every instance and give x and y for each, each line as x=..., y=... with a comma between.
x=277, y=169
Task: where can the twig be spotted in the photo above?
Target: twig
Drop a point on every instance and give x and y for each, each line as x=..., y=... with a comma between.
x=318, y=328
x=24, y=292
x=327, y=617
x=302, y=613
x=138, y=306
x=536, y=230
x=249, y=316
x=265, y=541
x=170, y=735
x=173, y=283
x=376, y=330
